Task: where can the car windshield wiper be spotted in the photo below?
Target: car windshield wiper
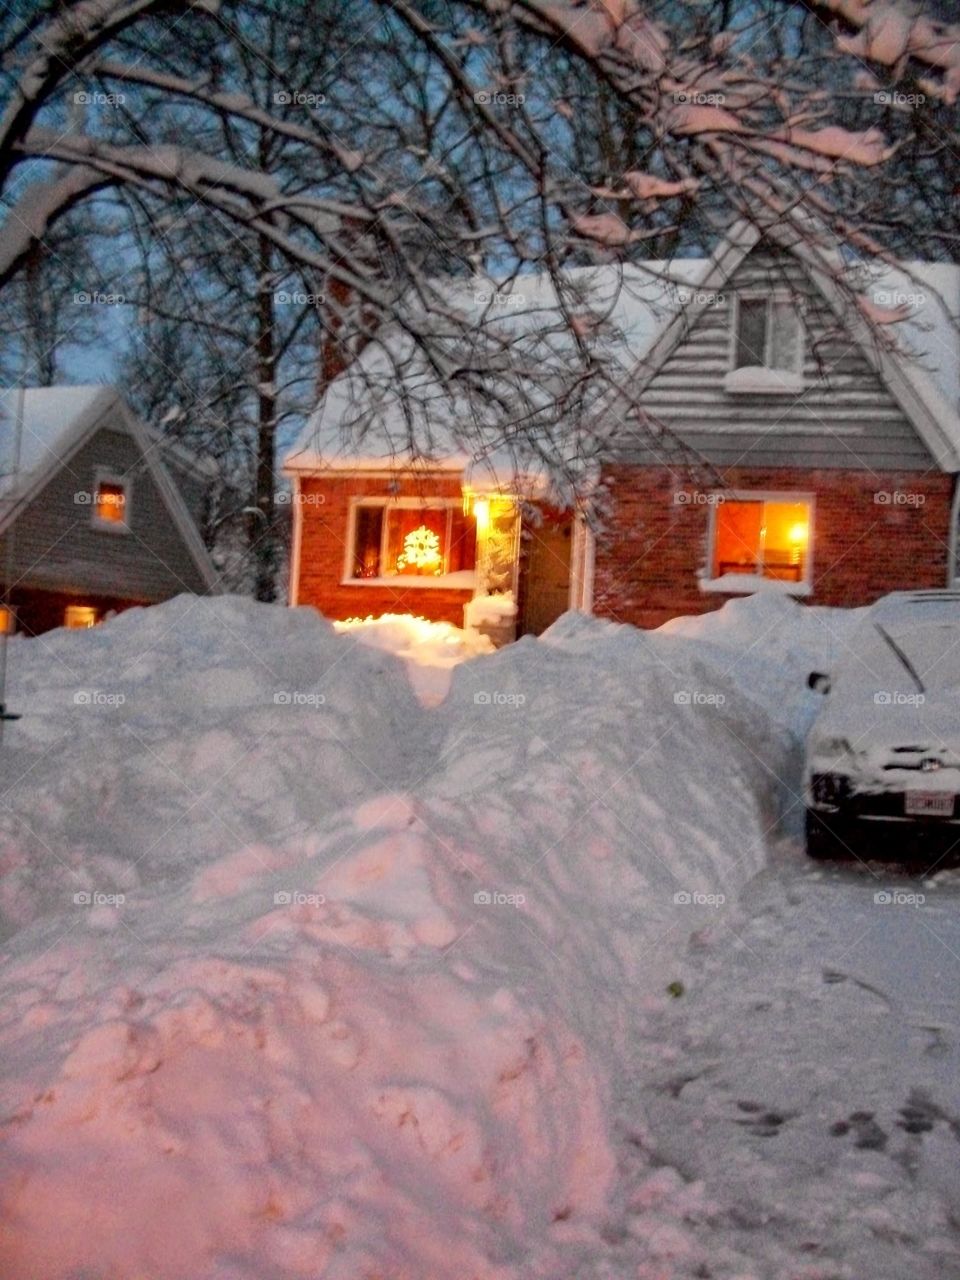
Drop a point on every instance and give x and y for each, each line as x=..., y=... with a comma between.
x=902, y=656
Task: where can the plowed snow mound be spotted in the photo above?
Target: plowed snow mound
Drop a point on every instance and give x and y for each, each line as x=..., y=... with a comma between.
x=369, y=1002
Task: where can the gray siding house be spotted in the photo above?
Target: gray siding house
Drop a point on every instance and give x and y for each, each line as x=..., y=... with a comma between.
x=97, y=514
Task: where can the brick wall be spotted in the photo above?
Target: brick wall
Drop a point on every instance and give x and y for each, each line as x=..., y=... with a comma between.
x=325, y=509
x=648, y=557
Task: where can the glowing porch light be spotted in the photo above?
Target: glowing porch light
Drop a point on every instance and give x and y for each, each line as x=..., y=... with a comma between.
x=481, y=513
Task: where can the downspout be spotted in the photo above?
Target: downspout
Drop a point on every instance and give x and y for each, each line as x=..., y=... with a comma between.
x=293, y=591
x=952, y=540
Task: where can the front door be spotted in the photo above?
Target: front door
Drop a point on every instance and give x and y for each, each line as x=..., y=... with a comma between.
x=545, y=573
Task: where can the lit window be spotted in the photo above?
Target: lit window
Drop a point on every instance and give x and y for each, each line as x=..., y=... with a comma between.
x=762, y=538
x=8, y=619
x=405, y=541
x=79, y=617
x=768, y=335
x=111, y=503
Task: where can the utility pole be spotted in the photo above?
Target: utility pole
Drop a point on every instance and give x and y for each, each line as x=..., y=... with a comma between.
x=8, y=571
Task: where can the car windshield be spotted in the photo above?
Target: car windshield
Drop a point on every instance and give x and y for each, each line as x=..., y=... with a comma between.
x=929, y=651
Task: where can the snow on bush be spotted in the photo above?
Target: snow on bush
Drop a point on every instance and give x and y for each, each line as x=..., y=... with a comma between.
x=366, y=1005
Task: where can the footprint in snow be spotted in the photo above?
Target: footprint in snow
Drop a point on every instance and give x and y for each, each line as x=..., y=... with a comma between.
x=867, y=1134
x=761, y=1122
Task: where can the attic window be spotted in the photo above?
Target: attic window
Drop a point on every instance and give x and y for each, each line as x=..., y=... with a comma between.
x=111, y=503
x=767, y=345
x=407, y=540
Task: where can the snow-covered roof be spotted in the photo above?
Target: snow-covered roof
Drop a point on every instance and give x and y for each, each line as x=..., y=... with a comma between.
x=51, y=418
x=361, y=423
x=363, y=420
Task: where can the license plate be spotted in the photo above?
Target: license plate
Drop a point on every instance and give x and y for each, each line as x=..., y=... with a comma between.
x=929, y=804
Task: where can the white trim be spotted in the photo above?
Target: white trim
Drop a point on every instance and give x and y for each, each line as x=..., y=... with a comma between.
x=582, y=565
x=804, y=586
x=953, y=570
x=400, y=504
x=106, y=475
x=293, y=587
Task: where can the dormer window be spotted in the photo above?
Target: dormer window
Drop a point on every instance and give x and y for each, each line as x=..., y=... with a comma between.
x=111, y=503
x=767, y=353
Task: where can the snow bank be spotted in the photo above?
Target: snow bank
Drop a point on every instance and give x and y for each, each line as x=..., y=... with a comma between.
x=172, y=733
x=768, y=645
x=349, y=987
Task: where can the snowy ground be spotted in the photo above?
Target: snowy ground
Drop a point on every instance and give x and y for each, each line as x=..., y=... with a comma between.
x=303, y=977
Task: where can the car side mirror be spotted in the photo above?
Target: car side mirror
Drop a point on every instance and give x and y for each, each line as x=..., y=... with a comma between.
x=819, y=682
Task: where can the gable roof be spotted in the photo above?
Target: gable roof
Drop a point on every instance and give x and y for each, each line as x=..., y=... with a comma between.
x=923, y=376
x=55, y=422
x=361, y=422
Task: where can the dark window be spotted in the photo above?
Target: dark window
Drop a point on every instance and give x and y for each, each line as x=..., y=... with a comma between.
x=367, y=540
x=751, y=332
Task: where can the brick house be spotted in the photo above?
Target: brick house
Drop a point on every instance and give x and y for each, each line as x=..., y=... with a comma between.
x=791, y=451
x=93, y=520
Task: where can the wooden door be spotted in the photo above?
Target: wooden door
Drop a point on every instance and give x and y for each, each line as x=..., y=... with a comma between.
x=545, y=574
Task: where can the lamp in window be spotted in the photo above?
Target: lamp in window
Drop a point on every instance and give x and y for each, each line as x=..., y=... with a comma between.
x=798, y=536
x=79, y=617
x=110, y=502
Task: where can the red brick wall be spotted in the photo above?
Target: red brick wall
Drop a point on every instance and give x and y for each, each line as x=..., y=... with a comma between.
x=653, y=546
x=325, y=509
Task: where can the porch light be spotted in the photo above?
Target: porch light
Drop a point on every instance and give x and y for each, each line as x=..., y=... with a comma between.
x=481, y=514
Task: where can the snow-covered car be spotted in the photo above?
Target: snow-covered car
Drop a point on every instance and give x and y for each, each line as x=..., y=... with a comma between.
x=883, y=755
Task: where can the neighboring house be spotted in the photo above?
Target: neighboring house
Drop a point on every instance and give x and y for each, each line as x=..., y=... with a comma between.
x=793, y=453
x=93, y=520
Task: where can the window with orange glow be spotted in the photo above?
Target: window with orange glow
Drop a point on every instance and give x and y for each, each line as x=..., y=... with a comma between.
x=762, y=537
x=406, y=541
x=110, y=503
x=79, y=617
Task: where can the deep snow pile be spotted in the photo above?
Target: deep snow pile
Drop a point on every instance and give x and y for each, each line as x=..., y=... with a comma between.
x=369, y=1003
x=159, y=741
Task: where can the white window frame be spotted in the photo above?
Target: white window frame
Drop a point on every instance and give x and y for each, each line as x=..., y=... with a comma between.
x=804, y=587
x=773, y=380
x=102, y=475
x=407, y=581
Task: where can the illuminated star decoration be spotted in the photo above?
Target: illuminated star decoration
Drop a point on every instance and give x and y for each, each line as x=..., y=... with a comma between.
x=421, y=550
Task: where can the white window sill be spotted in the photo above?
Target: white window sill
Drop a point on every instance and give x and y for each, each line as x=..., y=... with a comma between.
x=109, y=526
x=465, y=580
x=745, y=584
x=758, y=380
